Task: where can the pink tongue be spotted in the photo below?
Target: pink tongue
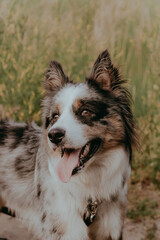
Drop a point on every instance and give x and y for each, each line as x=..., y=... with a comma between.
x=66, y=165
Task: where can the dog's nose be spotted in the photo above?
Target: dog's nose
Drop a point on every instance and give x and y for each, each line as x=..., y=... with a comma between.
x=56, y=135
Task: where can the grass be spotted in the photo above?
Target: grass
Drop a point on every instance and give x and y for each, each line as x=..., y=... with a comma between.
x=74, y=32
x=151, y=232
x=142, y=209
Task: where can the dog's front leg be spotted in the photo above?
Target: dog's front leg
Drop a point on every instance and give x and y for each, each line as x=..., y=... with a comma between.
x=65, y=231
x=66, y=227
x=76, y=229
x=108, y=223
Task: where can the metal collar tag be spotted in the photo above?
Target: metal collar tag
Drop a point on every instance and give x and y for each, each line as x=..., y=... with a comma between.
x=91, y=212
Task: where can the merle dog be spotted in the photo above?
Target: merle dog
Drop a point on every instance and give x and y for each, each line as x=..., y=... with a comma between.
x=68, y=178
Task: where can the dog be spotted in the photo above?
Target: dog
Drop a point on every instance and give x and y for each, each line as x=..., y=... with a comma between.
x=68, y=178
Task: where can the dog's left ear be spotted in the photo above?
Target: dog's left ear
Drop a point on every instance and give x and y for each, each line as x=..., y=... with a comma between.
x=55, y=77
x=103, y=72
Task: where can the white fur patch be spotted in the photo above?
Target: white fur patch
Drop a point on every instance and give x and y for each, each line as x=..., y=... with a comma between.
x=67, y=121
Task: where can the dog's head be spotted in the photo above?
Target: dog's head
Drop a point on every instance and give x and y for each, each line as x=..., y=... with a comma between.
x=83, y=120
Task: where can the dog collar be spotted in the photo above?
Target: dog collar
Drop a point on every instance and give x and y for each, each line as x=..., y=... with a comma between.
x=91, y=211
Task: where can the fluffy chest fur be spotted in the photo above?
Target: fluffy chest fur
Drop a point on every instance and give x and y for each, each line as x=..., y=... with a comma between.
x=65, y=204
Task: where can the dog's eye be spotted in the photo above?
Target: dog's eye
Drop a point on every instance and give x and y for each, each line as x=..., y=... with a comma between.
x=55, y=116
x=87, y=113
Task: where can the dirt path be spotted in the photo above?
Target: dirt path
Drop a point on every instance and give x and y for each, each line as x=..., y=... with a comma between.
x=12, y=229
x=140, y=230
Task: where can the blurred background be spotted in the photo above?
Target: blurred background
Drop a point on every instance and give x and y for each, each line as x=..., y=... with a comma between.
x=74, y=32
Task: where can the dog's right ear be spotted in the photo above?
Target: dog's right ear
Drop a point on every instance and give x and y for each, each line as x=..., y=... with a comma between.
x=55, y=77
x=104, y=73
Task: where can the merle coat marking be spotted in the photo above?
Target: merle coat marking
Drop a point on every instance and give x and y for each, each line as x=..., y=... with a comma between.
x=82, y=151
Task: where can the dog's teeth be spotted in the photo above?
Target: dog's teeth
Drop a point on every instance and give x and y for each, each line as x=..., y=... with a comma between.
x=86, y=150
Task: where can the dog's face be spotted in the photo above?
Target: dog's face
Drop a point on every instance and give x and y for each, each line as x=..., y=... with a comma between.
x=85, y=119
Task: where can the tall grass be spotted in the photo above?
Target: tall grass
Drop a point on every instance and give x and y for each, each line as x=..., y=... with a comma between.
x=74, y=32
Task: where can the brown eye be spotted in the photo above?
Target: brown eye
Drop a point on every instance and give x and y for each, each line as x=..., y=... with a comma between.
x=55, y=116
x=87, y=113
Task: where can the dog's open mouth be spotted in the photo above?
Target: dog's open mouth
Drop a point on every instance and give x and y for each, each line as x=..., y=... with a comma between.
x=73, y=160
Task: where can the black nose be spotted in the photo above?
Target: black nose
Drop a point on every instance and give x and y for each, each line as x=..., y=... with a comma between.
x=56, y=135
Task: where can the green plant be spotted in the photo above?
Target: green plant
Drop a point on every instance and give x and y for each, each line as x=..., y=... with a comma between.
x=151, y=232
x=142, y=209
